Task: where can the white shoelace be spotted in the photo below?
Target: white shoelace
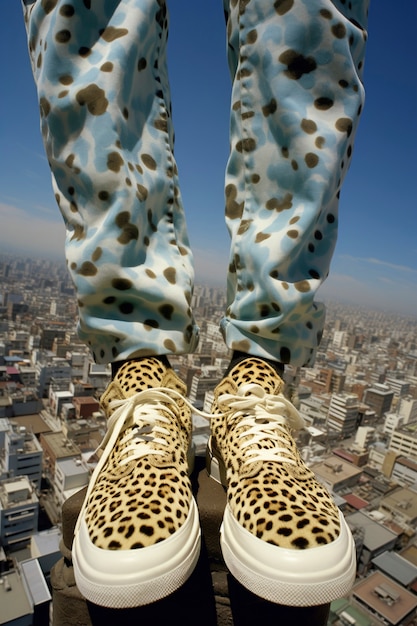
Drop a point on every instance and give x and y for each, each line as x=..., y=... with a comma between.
x=263, y=418
x=143, y=415
x=135, y=422
x=139, y=419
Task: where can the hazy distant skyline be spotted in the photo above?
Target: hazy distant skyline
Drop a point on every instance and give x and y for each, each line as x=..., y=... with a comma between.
x=375, y=263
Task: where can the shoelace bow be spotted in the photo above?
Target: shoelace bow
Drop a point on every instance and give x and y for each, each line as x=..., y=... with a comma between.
x=263, y=419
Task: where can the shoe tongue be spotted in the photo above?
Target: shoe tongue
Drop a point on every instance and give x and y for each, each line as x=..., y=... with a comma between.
x=135, y=376
x=256, y=371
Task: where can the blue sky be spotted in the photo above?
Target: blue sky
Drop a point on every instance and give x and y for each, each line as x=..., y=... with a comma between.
x=375, y=263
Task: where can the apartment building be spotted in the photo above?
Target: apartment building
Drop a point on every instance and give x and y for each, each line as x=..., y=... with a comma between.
x=24, y=596
x=407, y=408
x=57, y=446
x=23, y=454
x=379, y=398
x=392, y=422
x=71, y=475
x=404, y=441
x=376, y=539
x=364, y=437
x=51, y=369
x=314, y=409
x=201, y=383
x=400, y=388
x=343, y=413
x=405, y=472
x=19, y=511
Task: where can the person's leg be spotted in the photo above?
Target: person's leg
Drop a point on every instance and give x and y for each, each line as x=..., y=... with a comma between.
x=106, y=122
x=101, y=76
x=296, y=99
x=297, y=95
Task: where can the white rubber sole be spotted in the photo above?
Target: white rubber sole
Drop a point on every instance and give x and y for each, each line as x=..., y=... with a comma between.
x=127, y=578
x=289, y=577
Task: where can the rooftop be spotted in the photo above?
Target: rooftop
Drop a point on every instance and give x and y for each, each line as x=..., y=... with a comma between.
x=45, y=541
x=334, y=469
x=14, y=601
x=85, y=400
x=355, y=501
x=386, y=597
x=396, y=567
x=60, y=446
x=16, y=492
x=402, y=460
x=402, y=501
x=410, y=554
x=72, y=467
x=33, y=423
x=375, y=534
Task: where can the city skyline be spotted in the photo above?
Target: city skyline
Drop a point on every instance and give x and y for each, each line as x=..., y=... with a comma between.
x=358, y=404
x=375, y=263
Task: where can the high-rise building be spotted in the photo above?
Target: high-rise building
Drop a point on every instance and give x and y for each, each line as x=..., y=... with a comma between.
x=392, y=422
x=364, y=437
x=379, y=398
x=343, y=413
x=23, y=455
x=19, y=510
x=407, y=409
x=51, y=369
x=400, y=387
x=404, y=442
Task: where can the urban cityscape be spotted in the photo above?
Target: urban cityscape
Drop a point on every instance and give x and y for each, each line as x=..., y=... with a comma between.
x=358, y=402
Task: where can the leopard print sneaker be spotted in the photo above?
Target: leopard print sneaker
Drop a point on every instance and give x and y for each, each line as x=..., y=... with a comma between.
x=137, y=538
x=282, y=535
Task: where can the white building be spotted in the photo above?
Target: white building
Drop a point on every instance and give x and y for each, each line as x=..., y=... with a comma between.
x=313, y=410
x=23, y=455
x=377, y=453
x=27, y=375
x=19, y=510
x=400, y=387
x=24, y=595
x=343, y=413
x=405, y=472
x=392, y=422
x=44, y=546
x=339, y=338
x=364, y=437
x=99, y=376
x=407, y=408
x=404, y=442
x=52, y=369
x=57, y=399
x=71, y=475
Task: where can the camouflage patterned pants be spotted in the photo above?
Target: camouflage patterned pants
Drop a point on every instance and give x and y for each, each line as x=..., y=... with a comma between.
x=100, y=71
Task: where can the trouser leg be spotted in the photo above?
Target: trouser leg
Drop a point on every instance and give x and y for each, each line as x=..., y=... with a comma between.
x=297, y=94
x=101, y=76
